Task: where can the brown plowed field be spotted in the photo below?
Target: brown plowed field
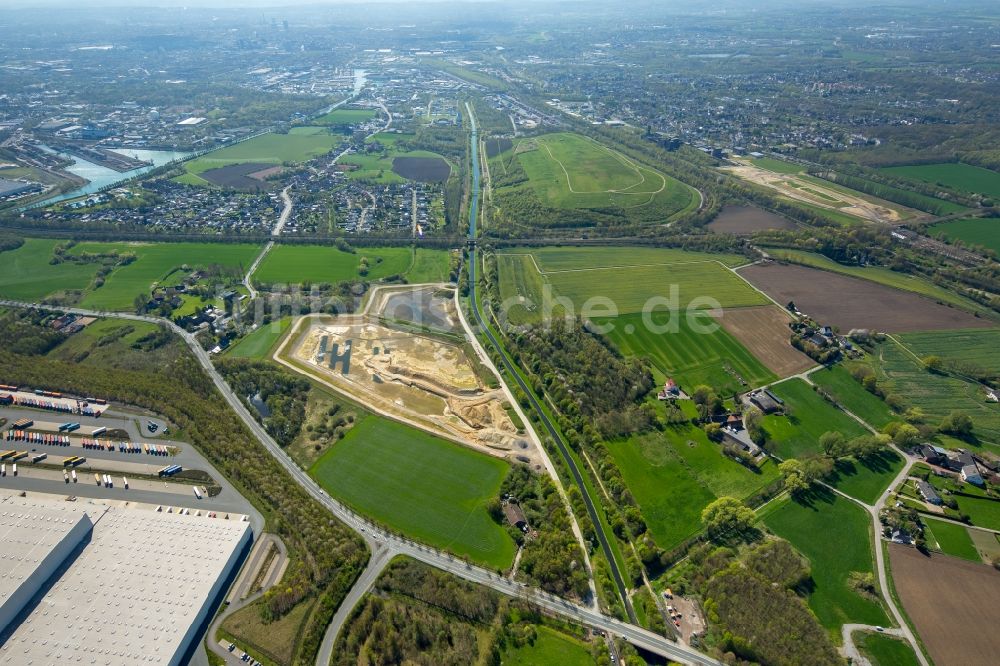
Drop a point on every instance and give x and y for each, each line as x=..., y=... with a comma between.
x=847, y=302
x=239, y=176
x=422, y=169
x=952, y=603
x=764, y=332
x=744, y=220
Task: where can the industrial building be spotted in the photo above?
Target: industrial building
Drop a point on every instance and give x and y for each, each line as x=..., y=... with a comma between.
x=9, y=188
x=137, y=591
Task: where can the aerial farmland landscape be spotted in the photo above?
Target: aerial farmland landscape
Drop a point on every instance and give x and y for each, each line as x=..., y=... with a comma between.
x=492, y=332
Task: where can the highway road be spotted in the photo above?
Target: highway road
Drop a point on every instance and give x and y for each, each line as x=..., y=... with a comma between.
x=513, y=374
x=379, y=540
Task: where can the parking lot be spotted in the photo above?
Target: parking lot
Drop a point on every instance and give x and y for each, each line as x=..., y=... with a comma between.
x=119, y=464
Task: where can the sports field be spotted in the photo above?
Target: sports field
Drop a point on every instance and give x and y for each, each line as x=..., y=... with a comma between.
x=259, y=343
x=688, y=354
x=154, y=262
x=796, y=434
x=675, y=474
x=954, y=176
x=938, y=395
x=982, y=231
x=299, y=264
x=427, y=488
x=630, y=277
x=343, y=116
x=27, y=275
x=950, y=539
x=849, y=393
x=551, y=648
x=835, y=535
x=268, y=148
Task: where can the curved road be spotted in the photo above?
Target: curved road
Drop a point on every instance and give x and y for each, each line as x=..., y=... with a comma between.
x=512, y=372
x=378, y=539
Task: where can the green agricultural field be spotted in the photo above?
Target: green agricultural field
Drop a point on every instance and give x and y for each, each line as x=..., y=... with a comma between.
x=154, y=263
x=429, y=266
x=688, y=354
x=299, y=264
x=973, y=351
x=866, y=479
x=953, y=176
x=796, y=434
x=981, y=231
x=27, y=275
x=260, y=343
x=554, y=259
x=551, y=648
x=883, y=650
x=580, y=274
x=341, y=117
x=847, y=391
x=520, y=288
x=268, y=148
x=675, y=474
x=777, y=166
x=427, y=488
x=308, y=130
x=950, y=539
x=836, y=536
x=877, y=274
x=377, y=168
x=900, y=373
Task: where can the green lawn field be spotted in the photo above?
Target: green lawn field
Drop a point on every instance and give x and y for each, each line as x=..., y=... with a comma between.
x=551, y=648
x=972, y=350
x=852, y=396
x=983, y=231
x=950, y=539
x=835, y=535
x=697, y=279
x=881, y=275
x=154, y=262
x=344, y=116
x=298, y=264
x=425, y=487
x=27, y=275
x=260, y=343
x=777, y=166
x=520, y=288
x=982, y=511
x=571, y=171
x=675, y=474
x=429, y=266
x=954, y=176
x=866, y=479
x=883, y=650
x=688, y=354
x=796, y=434
x=938, y=395
x=268, y=148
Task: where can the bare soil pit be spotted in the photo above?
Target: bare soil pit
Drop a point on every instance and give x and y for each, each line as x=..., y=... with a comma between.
x=745, y=220
x=422, y=169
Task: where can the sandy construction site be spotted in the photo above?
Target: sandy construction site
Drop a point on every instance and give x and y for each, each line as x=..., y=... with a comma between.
x=813, y=193
x=427, y=381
